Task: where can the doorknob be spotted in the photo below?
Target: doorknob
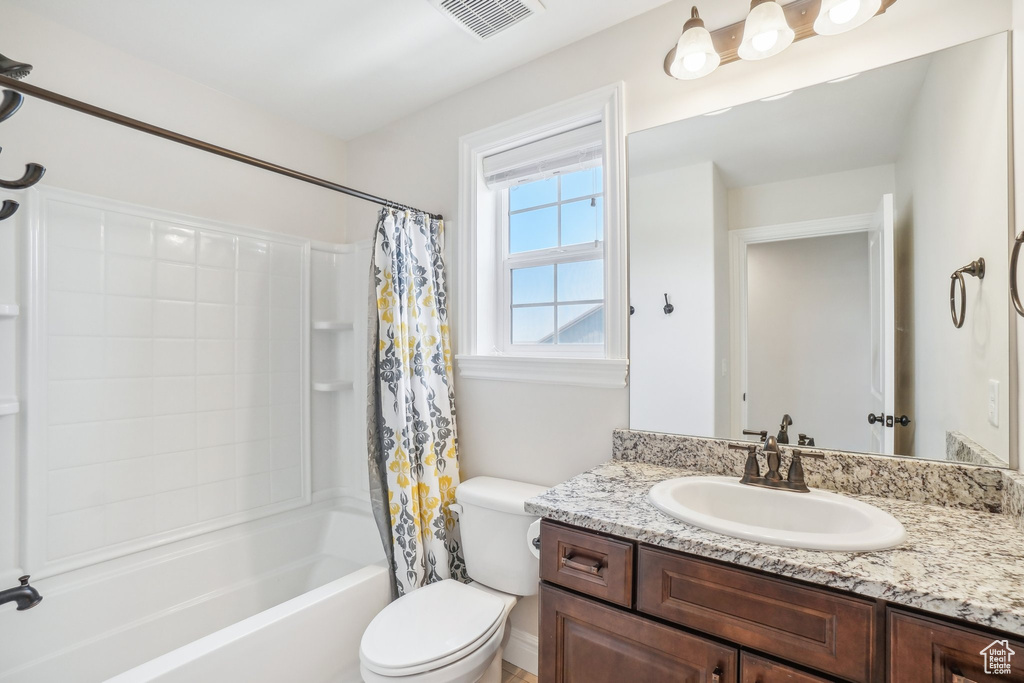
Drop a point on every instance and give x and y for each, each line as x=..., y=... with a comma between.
x=903, y=421
x=872, y=418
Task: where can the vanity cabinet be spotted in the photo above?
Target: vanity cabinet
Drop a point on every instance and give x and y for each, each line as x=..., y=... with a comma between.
x=615, y=610
x=925, y=650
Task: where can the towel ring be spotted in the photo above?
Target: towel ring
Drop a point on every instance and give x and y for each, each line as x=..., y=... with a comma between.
x=975, y=268
x=1014, y=295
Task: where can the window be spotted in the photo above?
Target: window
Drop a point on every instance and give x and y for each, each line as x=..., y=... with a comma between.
x=540, y=268
x=553, y=264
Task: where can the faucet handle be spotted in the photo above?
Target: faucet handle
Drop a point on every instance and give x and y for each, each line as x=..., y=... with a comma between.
x=797, y=453
x=23, y=580
x=751, y=468
x=796, y=469
x=754, y=432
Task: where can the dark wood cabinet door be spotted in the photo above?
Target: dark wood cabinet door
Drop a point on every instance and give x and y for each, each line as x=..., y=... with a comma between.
x=755, y=669
x=582, y=641
x=923, y=650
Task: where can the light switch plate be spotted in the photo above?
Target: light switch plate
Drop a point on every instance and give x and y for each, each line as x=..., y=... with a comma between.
x=993, y=402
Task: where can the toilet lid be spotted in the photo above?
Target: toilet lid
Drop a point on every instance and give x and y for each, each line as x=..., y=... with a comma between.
x=429, y=624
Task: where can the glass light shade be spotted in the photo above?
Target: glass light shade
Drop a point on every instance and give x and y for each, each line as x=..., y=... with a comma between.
x=839, y=16
x=766, y=32
x=695, y=55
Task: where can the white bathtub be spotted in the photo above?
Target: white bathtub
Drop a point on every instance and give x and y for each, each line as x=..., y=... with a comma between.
x=291, y=593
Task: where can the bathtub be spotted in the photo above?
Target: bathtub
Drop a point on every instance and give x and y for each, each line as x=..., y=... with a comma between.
x=283, y=598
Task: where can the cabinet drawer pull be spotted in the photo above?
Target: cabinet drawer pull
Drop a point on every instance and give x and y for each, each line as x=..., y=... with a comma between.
x=588, y=565
x=716, y=675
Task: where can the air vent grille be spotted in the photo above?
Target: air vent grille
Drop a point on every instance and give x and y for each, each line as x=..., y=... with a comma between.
x=487, y=18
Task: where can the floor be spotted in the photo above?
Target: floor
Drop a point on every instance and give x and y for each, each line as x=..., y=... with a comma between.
x=513, y=674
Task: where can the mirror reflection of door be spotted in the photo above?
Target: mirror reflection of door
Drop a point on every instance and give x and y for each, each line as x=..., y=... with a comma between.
x=817, y=329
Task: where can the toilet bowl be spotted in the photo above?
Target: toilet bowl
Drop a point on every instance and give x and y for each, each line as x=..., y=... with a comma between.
x=453, y=632
x=447, y=632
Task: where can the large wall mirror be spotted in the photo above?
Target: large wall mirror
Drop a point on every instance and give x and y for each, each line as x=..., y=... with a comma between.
x=838, y=255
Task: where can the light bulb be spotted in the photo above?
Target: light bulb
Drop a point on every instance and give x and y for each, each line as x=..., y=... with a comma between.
x=844, y=12
x=840, y=16
x=763, y=42
x=695, y=61
x=695, y=54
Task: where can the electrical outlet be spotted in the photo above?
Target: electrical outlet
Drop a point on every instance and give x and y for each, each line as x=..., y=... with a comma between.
x=993, y=402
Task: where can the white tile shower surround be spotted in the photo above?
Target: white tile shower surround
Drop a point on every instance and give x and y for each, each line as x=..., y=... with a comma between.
x=174, y=379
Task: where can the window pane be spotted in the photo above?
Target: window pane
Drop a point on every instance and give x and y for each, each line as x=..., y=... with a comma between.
x=533, y=325
x=533, y=285
x=581, y=183
x=531, y=230
x=581, y=324
x=580, y=281
x=582, y=222
x=533, y=194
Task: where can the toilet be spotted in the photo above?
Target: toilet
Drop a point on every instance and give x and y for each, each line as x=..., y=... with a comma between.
x=452, y=632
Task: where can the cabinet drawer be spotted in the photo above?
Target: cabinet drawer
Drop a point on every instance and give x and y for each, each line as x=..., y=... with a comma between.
x=588, y=563
x=816, y=628
x=923, y=650
x=754, y=669
x=584, y=641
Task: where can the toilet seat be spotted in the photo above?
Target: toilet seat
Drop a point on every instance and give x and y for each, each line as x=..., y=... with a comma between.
x=433, y=627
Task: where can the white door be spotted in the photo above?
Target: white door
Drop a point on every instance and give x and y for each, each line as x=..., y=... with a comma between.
x=883, y=327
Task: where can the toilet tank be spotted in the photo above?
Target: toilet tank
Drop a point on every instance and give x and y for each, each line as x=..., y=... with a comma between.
x=494, y=525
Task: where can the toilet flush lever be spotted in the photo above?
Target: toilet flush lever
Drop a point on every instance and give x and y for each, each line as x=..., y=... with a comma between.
x=455, y=508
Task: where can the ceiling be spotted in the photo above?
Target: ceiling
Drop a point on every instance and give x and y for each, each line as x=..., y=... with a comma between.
x=826, y=128
x=341, y=66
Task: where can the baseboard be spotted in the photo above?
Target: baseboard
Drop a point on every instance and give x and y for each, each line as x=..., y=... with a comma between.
x=521, y=650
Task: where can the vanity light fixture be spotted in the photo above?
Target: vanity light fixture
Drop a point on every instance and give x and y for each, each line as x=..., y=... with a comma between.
x=840, y=16
x=766, y=32
x=769, y=28
x=695, y=53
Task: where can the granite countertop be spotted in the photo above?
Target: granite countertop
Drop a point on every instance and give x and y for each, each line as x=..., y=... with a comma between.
x=960, y=563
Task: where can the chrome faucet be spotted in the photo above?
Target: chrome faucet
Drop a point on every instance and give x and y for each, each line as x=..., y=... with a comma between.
x=24, y=595
x=772, y=479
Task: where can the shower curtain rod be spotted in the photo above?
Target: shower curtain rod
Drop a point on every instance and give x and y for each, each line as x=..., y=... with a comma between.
x=142, y=126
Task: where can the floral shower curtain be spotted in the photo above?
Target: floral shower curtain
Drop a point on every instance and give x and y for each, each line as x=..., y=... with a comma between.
x=413, y=454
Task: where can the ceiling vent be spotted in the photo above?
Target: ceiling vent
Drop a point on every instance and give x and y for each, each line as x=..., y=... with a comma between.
x=487, y=18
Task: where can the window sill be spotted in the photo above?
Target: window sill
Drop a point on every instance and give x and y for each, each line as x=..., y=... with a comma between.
x=580, y=372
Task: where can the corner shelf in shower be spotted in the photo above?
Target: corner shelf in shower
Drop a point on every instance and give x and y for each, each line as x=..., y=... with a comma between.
x=9, y=310
x=333, y=385
x=9, y=405
x=335, y=325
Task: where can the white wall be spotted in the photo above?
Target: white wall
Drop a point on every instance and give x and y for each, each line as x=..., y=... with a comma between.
x=833, y=195
x=809, y=345
x=677, y=233
x=91, y=156
x=952, y=185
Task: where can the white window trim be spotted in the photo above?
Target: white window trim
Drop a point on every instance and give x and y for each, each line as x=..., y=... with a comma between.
x=477, y=287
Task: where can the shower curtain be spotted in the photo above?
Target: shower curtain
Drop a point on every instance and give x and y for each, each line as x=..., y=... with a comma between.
x=413, y=449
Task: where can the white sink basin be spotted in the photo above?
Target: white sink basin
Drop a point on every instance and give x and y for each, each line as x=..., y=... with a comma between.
x=818, y=520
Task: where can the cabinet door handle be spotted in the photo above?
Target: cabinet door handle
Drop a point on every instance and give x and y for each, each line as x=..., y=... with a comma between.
x=589, y=565
x=716, y=675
